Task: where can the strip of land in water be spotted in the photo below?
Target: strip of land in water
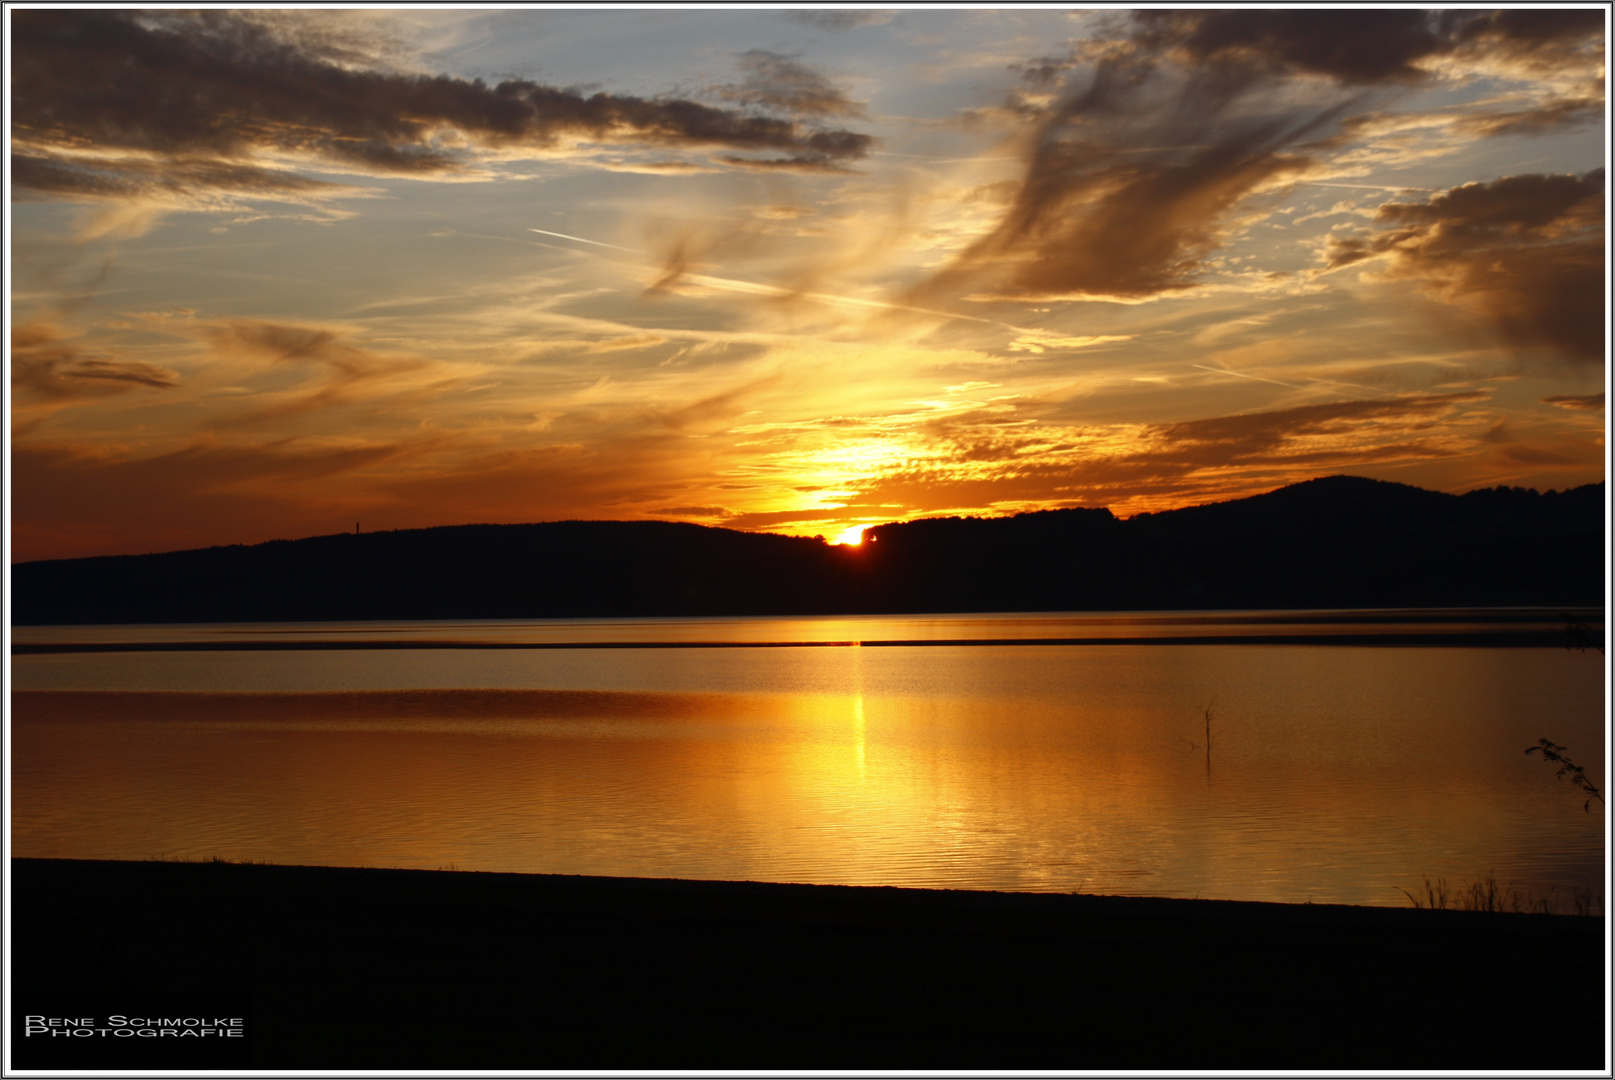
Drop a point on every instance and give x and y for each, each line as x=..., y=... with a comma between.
x=1499, y=639
x=408, y=969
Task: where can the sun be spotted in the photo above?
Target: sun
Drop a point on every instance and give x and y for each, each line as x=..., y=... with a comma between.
x=851, y=537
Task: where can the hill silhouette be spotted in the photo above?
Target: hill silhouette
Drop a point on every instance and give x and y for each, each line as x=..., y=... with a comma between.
x=1337, y=542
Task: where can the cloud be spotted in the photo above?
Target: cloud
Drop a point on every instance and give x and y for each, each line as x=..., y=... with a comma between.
x=1041, y=341
x=1538, y=39
x=170, y=184
x=350, y=372
x=282, y=342
x=838, y=20
x=827, y=515
x=1151, y=144
x=1355, y=46
x=778, y=82
x=627, y=477
x=1277, y=436
x=46, y=365
x=1543, y=118
x=1579, y=402
x=971, y=466
x=112, y=104
x=1524, y=252
x=71, y=501
x=1364, y=47
x=1133, y=177
x=1126, y=199
x=716, y=411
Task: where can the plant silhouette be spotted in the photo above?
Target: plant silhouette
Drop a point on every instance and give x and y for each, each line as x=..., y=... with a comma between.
x=1208, y=712
x=1555, y=754
x=1580, y=636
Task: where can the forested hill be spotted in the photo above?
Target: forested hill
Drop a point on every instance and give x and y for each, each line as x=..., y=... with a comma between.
x=1329, y=543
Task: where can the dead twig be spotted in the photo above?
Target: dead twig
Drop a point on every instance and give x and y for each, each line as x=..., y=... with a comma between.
x=1554, y=754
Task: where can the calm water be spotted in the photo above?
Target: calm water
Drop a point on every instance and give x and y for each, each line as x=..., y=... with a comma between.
x=1336, y=774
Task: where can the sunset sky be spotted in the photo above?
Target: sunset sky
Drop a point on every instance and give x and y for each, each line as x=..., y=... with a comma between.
x=275, y=272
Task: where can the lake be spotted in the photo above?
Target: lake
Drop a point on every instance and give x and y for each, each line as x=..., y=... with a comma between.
x=1057, y=753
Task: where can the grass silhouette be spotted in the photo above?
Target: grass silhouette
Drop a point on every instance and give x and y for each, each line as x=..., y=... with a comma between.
x=1489, y=897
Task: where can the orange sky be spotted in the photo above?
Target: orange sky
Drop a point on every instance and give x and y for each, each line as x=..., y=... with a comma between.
x=276, y=272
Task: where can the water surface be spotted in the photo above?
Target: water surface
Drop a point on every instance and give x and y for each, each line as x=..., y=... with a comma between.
x=1336, y=773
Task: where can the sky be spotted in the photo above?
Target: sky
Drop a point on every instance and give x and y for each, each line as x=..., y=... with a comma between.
x=275, y=273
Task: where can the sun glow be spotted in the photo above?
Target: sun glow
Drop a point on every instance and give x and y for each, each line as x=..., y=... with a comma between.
x=852, y=537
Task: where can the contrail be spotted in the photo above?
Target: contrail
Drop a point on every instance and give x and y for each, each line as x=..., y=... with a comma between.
x=581, y=240
x=830, y=298
x=775, y=290
x=1369, y=187
x=1292, y=386
x=1242, y=375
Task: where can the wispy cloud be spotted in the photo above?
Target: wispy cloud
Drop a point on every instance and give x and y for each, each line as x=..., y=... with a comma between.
x=980, y=462
x=837, y=20
x=47, y=364
x=690, y=287
x=1578, y=402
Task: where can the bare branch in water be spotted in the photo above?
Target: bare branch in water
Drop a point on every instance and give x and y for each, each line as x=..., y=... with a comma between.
x=1555, y=754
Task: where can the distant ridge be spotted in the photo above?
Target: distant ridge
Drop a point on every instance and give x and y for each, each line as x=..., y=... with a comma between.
x=1335, y=542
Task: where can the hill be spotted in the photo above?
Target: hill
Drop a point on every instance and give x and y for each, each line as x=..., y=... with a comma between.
x=1329, y=543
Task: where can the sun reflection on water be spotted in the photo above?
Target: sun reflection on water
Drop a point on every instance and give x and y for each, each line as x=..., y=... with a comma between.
x=1040, y=768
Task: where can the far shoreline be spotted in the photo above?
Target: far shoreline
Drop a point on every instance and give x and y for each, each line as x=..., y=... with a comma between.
x=1478, y=639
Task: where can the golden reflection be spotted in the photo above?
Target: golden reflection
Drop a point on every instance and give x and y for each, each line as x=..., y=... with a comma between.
x=860, y=733
x=1035, y=768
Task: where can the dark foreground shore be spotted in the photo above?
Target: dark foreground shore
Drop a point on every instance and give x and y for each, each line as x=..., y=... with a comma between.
x=401, y=969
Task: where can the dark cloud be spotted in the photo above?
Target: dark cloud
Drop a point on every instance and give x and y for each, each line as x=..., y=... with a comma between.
x=1357, y=46
x=1132, y=175
x=282, y=342
x=1273, y=436
x=1127, y=188
x=1044, y=70
x=1508, y=447
x=1549, y=116
x=695, y=511
x=1515, y=205
x=1167, y=126
x=1541, y=37
x=1527, y=252
x=203, y=91
x=838, y=20
x=821, y=151
x=46, y=364
x=1580, y=402
x=1351, y=45
x=778, y=82
x=1091, y=221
